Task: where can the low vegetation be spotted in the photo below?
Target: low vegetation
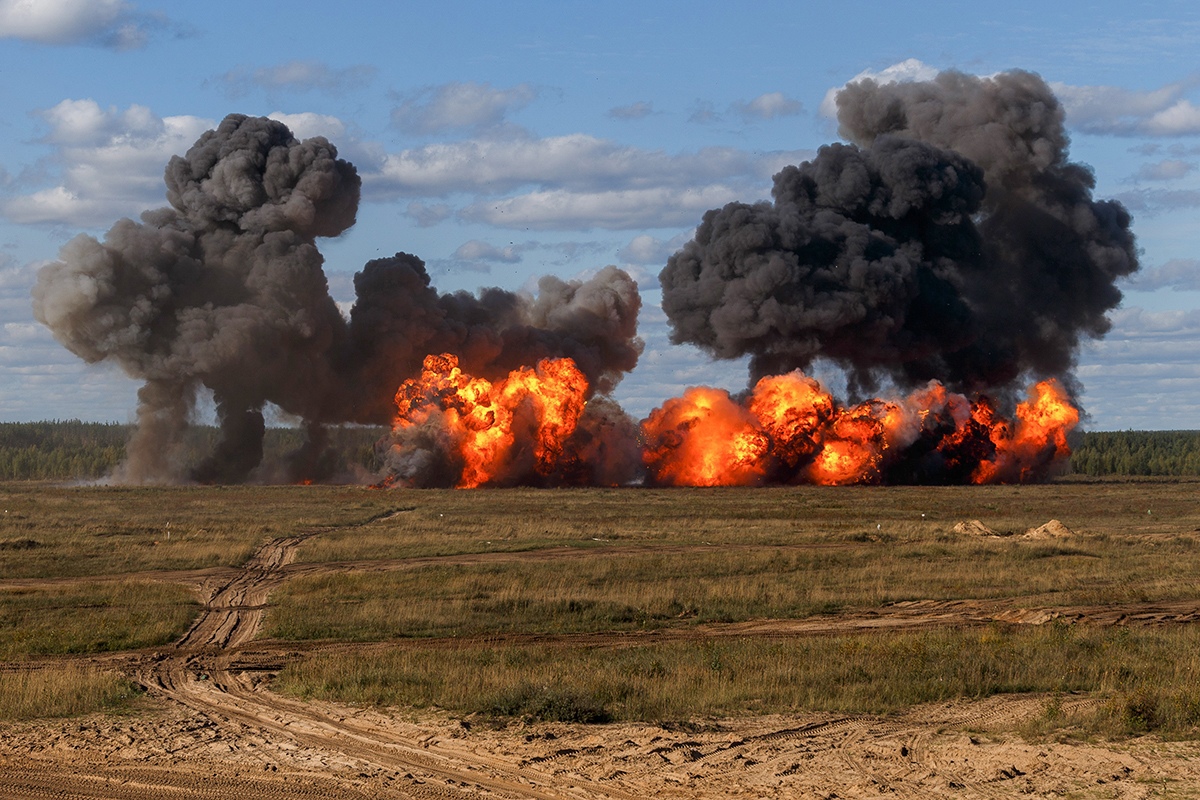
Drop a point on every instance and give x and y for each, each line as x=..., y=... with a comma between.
x=90, y=569
x=1147, y=677
x=63, y=531
x=62, y=691
x=91, y=618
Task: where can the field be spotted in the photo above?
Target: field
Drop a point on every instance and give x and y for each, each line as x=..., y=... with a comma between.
x=793, y=642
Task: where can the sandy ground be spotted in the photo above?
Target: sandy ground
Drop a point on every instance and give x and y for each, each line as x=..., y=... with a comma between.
x=212, y=730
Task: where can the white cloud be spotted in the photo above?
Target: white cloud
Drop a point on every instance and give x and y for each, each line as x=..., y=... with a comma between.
x=772, y=105
x=1152, y=201
x=1179, y=273
x=110, y=163
x=110, y=23
x=1167, y=170
x=307, y=125
x=624, y=209
x=769, y=106
x=575, y=161
x=645, y=249
x=428, y=214
x=1144, y=374
x=476, y=250
x=460, y=106
x=638, y=110
x=911, y=69
x=1113, y=110
x=299, y=76
x=574, y=181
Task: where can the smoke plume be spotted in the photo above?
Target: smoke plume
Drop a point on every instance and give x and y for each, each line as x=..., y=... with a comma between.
x=952, y=239
x=225, y=290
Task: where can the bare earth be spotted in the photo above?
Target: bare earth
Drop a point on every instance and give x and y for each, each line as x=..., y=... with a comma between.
x=215, y=731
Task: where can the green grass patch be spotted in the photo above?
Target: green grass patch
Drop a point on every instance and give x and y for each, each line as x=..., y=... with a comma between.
x=92, y=617
x=58, y=531
x=665, y=586
x=62, y=691
x=1149, y=677
x=446, y=522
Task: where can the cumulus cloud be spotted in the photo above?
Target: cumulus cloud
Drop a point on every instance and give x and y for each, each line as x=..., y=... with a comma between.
x=772, y=105
x=1167, y=170
x=427, y=215
x=1144, y=374
x=646, y=250
x=460, y=106
x=769, y=106
x=1155, y=201
x=1116, y=111
x=307, y=125
x=575, y=181
x=1178, y=273
x=299, y=76
x=574, y=161
x=624, y=209
x=476, y=250
x=108, y=23
x=704, y=113
x=638, y=110
x=109, y=163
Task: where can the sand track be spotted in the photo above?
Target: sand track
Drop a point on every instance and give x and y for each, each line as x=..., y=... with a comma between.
x=226, y=736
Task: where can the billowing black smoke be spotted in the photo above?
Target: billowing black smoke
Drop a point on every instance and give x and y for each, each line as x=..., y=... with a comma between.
x=226, y=290
x=952, y=240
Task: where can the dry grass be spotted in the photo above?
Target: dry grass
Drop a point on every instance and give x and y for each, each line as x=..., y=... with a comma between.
x=449, y=522
x=647, y=587
x=53, y=531
x=1149, y=677
x=638, y=559
x=91, y=618
x=63, y=691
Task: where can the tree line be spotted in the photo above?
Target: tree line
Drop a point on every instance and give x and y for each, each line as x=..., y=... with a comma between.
x=1157, y=453
x=74, y=450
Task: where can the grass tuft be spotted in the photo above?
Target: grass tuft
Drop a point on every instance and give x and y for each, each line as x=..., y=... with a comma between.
x=62, y=691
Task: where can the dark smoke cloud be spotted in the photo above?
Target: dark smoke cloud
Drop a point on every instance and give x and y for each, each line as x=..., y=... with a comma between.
x=951, y=240
x=225, y=289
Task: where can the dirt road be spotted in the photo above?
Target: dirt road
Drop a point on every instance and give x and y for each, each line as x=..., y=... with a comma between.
x=222, y=734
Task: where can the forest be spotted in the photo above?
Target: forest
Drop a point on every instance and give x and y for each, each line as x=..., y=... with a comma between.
x=73, y=450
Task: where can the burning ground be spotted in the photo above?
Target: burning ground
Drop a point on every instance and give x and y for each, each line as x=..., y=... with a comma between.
x=949, y=252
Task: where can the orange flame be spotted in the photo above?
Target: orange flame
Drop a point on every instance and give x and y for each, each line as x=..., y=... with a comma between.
x=487, y=423
x=704, y=439
x=790, y=430
x=1038, y=436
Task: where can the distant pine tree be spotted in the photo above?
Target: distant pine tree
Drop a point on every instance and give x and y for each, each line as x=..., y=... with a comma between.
x=1157, y=453
x=75, y=450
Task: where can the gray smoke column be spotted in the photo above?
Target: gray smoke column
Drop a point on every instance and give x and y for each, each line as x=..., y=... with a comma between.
x=225, y=289
x=952, y=239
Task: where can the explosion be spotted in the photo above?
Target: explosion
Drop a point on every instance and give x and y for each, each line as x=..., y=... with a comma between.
x=789, y=430
x=488, y=429
x=948, y=247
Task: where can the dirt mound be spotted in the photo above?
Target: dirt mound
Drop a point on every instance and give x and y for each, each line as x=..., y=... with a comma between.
x=1051, y=530
x=974, y=528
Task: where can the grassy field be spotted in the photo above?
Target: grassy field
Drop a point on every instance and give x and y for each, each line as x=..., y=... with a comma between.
x=649, y=559
x=64, y=691
x=437, y=522
x=585, y=561
x=51, y=531
x=1149, y=678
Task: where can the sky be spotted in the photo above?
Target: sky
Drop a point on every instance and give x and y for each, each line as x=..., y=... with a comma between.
x=504, y=141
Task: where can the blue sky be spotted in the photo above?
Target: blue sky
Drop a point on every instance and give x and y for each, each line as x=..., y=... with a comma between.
x=504, y=141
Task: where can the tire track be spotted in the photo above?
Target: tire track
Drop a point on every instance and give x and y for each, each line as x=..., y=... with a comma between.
x=198, y=673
